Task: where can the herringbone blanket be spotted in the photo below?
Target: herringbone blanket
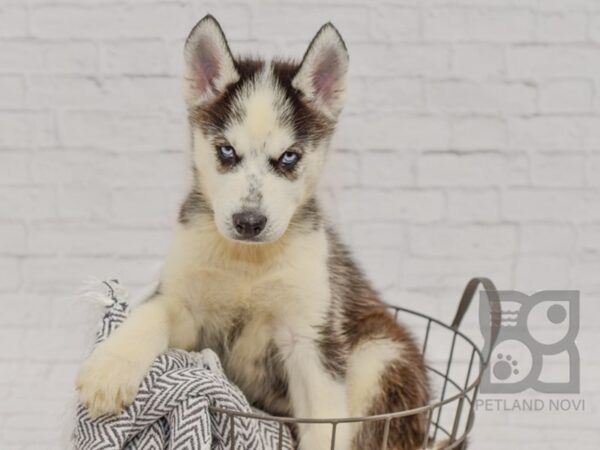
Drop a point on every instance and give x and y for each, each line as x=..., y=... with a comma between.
x=172, y=409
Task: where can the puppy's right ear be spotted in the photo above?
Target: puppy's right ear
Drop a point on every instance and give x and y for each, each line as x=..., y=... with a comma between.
x=209, y=65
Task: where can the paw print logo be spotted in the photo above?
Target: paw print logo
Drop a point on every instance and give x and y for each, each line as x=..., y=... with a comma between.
x=534, y=330
x=505, y=367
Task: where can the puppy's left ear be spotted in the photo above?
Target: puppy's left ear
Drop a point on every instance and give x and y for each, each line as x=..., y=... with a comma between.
x=322, y=73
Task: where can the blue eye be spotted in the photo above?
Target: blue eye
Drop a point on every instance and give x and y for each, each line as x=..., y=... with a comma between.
x=226, y=154
x=289, y=159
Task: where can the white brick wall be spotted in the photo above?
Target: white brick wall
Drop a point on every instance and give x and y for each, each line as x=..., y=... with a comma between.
x=470, y=145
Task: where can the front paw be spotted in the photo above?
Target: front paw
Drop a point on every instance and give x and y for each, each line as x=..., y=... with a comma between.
x=107, y=383
x=318, y=437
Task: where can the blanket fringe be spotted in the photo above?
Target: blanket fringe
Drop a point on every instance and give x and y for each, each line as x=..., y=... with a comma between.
x=102, y=292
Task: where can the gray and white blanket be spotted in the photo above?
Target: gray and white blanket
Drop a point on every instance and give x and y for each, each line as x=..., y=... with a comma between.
x=173, y=407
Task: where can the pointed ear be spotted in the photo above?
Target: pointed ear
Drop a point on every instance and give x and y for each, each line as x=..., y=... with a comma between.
x=322, y=74
x=209, y=65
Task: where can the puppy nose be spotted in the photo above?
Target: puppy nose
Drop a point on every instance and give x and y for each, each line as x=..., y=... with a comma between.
x=249, y=224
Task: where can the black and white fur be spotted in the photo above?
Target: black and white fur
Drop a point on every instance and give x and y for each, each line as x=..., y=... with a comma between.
x=254, y=272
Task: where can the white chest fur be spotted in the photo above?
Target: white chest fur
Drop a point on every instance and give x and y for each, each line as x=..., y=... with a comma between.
x=248, y=301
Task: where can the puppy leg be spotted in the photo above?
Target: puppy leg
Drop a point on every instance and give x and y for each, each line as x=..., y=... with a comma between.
x=316, y=393
x=110, y=378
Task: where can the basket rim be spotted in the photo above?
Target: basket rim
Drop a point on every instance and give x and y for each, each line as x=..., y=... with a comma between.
x=386, y=416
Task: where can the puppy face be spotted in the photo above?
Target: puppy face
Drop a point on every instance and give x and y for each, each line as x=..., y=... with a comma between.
x=260, y=130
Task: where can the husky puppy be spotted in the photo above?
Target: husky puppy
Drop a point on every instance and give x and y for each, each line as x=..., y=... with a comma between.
x=254, y=272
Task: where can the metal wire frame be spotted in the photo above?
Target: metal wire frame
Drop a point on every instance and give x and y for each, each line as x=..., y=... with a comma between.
x=467, y=391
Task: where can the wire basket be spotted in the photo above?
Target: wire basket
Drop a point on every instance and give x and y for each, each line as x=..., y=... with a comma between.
x=456, y=376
